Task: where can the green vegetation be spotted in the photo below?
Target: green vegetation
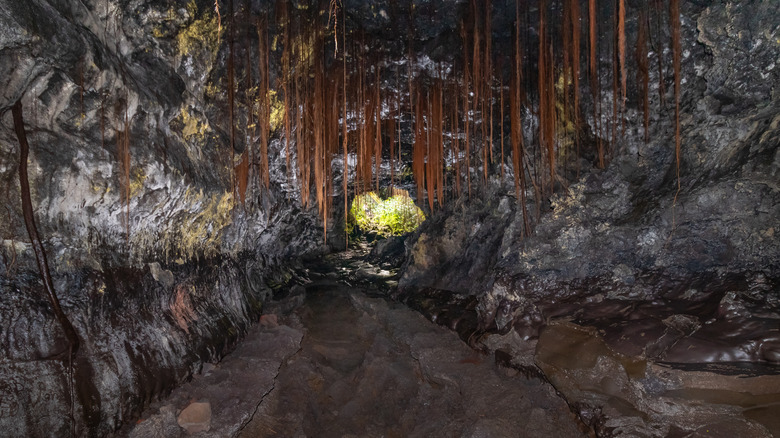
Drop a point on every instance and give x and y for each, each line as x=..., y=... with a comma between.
x=393, y=216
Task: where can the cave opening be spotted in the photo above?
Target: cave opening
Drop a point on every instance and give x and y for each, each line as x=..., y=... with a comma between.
x=581, y=192
x=374, y=216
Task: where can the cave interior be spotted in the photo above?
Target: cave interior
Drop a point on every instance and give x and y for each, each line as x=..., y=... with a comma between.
x=599, y=180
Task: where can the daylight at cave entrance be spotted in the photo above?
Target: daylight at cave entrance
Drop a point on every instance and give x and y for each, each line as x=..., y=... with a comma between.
x=390, y=218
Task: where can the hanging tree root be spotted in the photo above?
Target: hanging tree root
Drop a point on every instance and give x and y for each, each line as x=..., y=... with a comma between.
x=40, y=254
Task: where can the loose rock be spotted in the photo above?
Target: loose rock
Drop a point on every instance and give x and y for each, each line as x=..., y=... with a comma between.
x=196, y=417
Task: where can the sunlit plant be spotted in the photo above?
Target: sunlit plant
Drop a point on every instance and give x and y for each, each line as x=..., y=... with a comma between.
x=393, y=216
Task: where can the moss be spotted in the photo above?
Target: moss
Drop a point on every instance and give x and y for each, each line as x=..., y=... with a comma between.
x=393, y=216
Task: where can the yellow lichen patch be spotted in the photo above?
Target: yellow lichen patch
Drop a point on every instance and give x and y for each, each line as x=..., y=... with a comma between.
x=200, y=233
x=193, y=232
x=211, y=90
x=192, y=8
x=137, y=178
x=303, y=49
x=277, y=110
x=202, y=34
x=574, y=197
x=165, y=23
x=194, y=128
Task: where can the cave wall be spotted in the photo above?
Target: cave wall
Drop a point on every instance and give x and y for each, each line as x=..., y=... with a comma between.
x=625, y=232
x=157, y=262
x=634, y=298
x=83, y=72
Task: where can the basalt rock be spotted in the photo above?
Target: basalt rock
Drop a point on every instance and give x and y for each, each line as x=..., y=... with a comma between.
x=628, y=291
x=157, y=263
x=140, y=338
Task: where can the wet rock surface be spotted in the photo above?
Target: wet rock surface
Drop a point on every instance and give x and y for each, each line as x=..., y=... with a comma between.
x=371, y=368
x=223, y=397
x=640, y=300
x=699, y=357
x=348, y=363
x=637, y=397
x=141, y=338
x=636, y=351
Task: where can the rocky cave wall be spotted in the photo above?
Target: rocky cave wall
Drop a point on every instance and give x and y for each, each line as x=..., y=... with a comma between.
x=615, y=226
x=156, y=262
x=622, y=263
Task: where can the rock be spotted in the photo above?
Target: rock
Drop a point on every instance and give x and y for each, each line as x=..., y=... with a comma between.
x=162, y=276
x=285, y=300
x=370, y=367
x=229, y=394
x=389, y=251
x=196, y=417
x=161, y=425
x=685, y=324
x=770, y=350
x=92, y=76
x=207, y=368
x=636, y=397
x=297, y=289
x=269, y=321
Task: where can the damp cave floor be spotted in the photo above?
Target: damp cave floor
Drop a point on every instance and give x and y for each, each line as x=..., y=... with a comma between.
x=347, y=362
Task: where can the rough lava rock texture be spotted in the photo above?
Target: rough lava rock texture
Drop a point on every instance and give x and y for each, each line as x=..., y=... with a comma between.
x=233, y=390
x=157, y=264
x=656, y=285
x=368, y=367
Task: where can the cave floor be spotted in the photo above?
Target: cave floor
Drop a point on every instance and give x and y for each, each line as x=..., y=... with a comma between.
x=347, y=362
x=337, y=357
x=368, y=367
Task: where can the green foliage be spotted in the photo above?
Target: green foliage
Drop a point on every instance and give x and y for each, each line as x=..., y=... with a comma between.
x=393, y=216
